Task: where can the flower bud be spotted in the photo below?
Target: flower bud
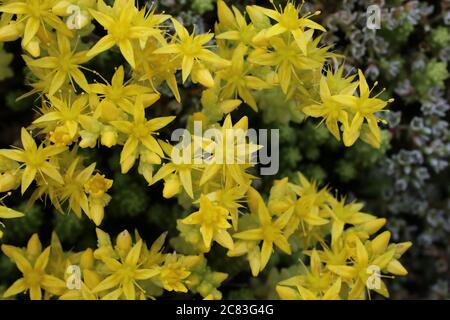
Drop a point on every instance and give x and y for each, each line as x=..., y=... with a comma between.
x=109, y=136
x=11, y=32
x=88, y=139
x=8, y=182
x=124, y=241
x=172, y=186
x=33, y=47
x=34, y=246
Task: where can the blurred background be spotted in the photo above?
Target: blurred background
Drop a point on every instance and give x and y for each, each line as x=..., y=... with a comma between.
x=406, y=181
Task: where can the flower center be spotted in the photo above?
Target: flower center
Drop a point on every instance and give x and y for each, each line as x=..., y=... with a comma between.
x=33, y=278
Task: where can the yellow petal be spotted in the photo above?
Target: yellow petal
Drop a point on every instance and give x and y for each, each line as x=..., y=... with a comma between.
x=134, y=254
x=254, y=258
x=57, y=82
x=186, y=181
x=108, y=283
x=8, y=213
x=42, y=260
x=128, y=290
x=28, y=176
x=17, y=287
x=287, y=293
x=105, y=43
x=35, y=292
x=144, y=274
x=224, y=239
x=395, y=267
x=188, y=64
x=266, y=252
x=31, y=28
x=127, y=51
x=207, y=235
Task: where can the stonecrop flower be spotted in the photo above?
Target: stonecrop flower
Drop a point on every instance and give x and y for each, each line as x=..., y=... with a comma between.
x=230, y=152
x=288, y=20
x=123, y=274
x=122, y=25
x=140, y=134
x=64, y=115
x=64, y=64
x=271, y=60
x=238, y=80
x=35, y=278
x=37, y=18
x=119, y=96
x=96, y=187
x=234, y=25
x=35, y=160
x=270, y=232
x=363, y=108
x=193, y=50
x=213, y=221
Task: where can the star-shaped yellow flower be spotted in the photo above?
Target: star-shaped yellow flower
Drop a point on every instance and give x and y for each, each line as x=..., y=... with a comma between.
x=213, y=221
x=35, y=278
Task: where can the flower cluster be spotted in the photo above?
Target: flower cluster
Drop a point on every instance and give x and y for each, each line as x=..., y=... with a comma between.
x=121, y=270
x=410, y=55
x=256, y=51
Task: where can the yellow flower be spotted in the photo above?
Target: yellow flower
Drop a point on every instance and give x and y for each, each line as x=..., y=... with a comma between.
x=231, y=154
x=364, y=108
x=60, y=136
x=235, y=25
x=288, y=59
x=34, y=274
x=230, y=197
x=304, y=203
x=270, y=232
x=346, y=214
x=288, y=20
x=314, y=283
x=182, y=168
x=213, y=221
x=35, y=159
x=157, y=68
x=140, y=133
x=193, y=50
x=64, y=64
x=119, y=22
x=126, y=273
x=330, y=109
x=173, y=273
x=358, y=274
x=120, y=94
x=97, y=186
x=239, y=81
x=63, y=113
x=37, y=15
x=75, y=182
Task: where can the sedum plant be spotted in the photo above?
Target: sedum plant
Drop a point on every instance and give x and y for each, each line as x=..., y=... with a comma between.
x=251, y=52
